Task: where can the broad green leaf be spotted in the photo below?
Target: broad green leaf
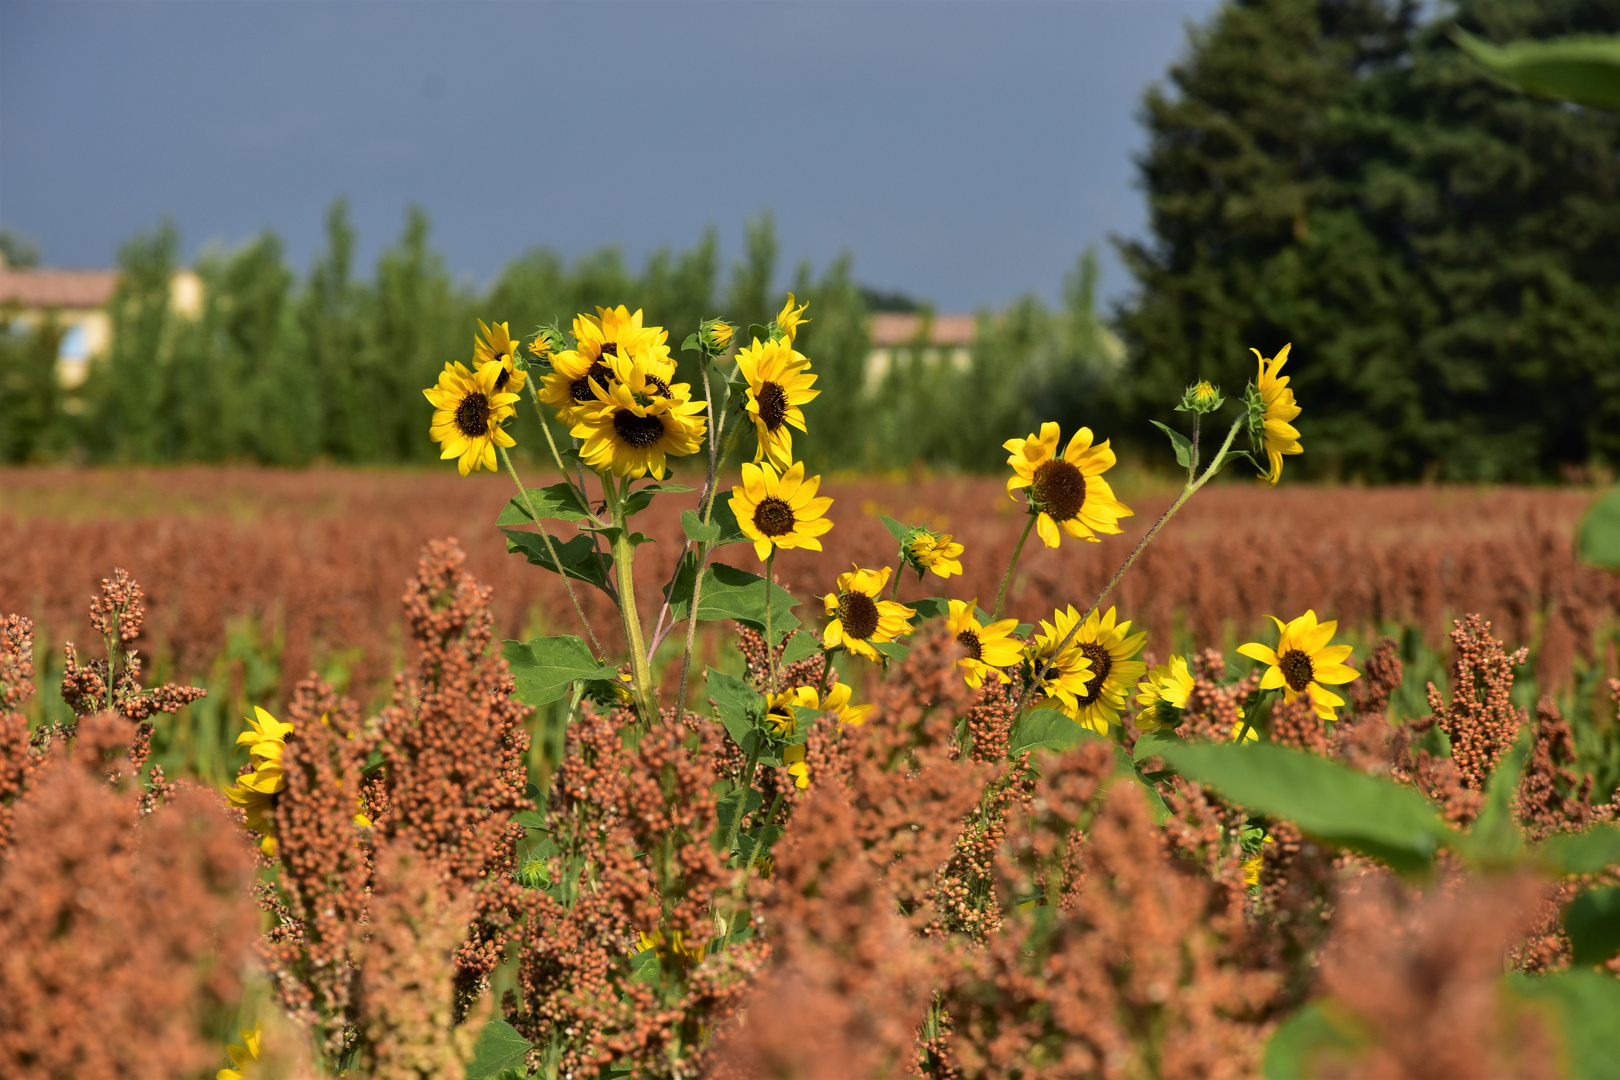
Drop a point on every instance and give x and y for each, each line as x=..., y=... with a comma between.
x=1314, y=1030
x=1045, y=729
x=725, y=810
x=1151, y=742
x=758, y=840
x=1332, y=802
x=559, y=502
x=1495, y=839
x=730, y=593
x=893, y=650
x=1585, y=70
x=500, y=1047
x=545, y=667
x=579, y=557
x=1182, y=444
x=896, y=530
x=637, y=500
x=529, y=819
x=1592, y=922
x=645, y=968
x=1589, y=852
x=692, y=525
x=690, y=344
x=800, y=646
x=929, y=607
x=1598, y=538
x=741, y=706
x=1587, y=1005
x=723, y=516
x=763, y=333
x=1125, y=765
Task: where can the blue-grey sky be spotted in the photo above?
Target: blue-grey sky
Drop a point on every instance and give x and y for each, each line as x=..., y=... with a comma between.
x=963, y=152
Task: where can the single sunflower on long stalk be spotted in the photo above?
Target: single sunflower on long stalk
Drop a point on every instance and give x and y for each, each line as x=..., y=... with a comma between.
x=1271, y=408
x=1066, y=492
x=860, y=620
x=1304, y=663
x=780, y=511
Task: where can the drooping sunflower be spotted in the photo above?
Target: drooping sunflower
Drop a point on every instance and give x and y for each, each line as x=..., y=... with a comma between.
x=1069, y=490
x=780, y=511
x=254, y=792
x=989, y=648
x=1112, y=651
x=266, y=736
x=468, y=413
x=780, y=715
x=1304, y=664
x=497, y=345
x=1271, y=407
x=778, y=384
x=789, y=318
x=1163, y=694
x=252, y=1041
x=836, y=701
x=860, y=619
x=638, y=421
x=928, y=550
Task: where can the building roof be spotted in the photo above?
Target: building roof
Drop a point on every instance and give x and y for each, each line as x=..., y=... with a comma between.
x=891, y=329
x=72, y=289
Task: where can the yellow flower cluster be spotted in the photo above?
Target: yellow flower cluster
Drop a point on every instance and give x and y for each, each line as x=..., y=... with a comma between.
x=254, y=792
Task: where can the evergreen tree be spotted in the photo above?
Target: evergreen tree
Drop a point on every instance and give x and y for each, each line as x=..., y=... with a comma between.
x=1443, y=252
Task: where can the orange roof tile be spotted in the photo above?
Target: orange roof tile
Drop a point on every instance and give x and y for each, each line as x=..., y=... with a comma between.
x=891, y=329
x=78, y=289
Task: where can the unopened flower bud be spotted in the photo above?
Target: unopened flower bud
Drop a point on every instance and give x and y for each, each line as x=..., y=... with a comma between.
x=1202, y=397
x=717, y=335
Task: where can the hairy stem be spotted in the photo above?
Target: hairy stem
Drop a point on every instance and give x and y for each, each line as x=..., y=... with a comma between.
x=1006, y=579
x=624, y=554
x=551, y=550
x=770, y=641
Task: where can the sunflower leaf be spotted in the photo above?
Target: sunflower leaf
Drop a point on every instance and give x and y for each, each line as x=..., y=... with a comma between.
x=579, y=557
x=560, y=502
x=692, y=525
x=929, y=607
x=1046, y=729
x=741, y=707
x=545, y=667
x=1320, y=1026
x=723, y=516
x=499, y=1048
x=763, y=333
x=800, y=646
x=1593, y=925
x=896, y=530
x=1585, y=70
x=1495, y=840
x=691, y=344
x=730, y=593
x=1587, y=1005
x=1589, y=852
x=637, y=500
x=1182, y=444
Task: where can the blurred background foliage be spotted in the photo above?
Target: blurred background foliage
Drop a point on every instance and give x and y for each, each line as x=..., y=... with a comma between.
x=1442, y=251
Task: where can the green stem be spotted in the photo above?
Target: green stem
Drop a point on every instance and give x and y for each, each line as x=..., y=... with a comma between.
x=748, y=785
x=826, y=670
x=770, y=647
x=1006, y=579
x=899, y=568
x=716, y=460
x=551, y=550
x=1188, y=491
x=624, y=554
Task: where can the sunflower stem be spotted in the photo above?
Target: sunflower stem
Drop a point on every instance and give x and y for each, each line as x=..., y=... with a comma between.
x=826, y=670
x=899, y=569
x=1188, y=491
x=770, y=648
x=710, y=486
x=556, y=454
x=551, y=550
x=1006, y=579
x=748, y=785
x=624, y=553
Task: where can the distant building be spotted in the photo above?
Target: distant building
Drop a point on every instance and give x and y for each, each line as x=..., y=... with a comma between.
x=78, y=298
x=937, y=339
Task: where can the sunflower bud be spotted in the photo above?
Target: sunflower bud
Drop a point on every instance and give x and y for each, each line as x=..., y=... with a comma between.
x=547, y=340
x=924, y=549
x=1201, y=398
x=716, y=335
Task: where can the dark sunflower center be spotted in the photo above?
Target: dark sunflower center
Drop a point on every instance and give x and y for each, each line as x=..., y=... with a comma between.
x=610, y=348
x=1296, y=669
x=1101, y=665
x=659, y=385
x=502, y=379
x=1059, y=488
x=637, y=431
x=970, y=641
x=859, y=614
x=472, y=415
x=773, y=516
x=580, y=389
x=773, y=405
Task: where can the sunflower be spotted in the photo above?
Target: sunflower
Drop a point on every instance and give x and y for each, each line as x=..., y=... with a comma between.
x=836, y=701
x=989, y=648
x=778, y=383
x=255, y=792
x=468, y=413
x=252, y=1040
x=859, y=618
x=927, y=550
x=1113, y=668
x=1304, y=664
x=780, y=512
x=1067, y=491
x=784, y=720
x=1163, y=694
x=266, y=736
x=638, y=420
x=599, y=340
x=1271, y=407
x=497, y=346
x=789, y=318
